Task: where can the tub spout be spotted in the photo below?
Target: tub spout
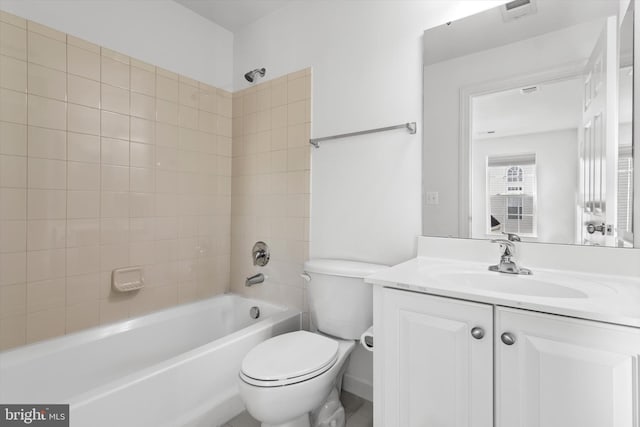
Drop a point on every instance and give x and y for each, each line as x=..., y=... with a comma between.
x=254, y=280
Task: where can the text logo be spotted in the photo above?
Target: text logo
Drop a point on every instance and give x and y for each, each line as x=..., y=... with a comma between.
x=34, y=415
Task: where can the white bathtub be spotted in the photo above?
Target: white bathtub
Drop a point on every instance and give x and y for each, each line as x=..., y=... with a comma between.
x=177, y=367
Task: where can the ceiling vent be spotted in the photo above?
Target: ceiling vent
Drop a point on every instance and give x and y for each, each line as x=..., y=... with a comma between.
x=517, y=9
x=529, y=90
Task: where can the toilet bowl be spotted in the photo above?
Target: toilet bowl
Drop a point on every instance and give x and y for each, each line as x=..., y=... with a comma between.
x=280, y=388
x=285, y=379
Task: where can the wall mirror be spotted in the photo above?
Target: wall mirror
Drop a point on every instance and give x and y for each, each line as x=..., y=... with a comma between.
x=528, y=124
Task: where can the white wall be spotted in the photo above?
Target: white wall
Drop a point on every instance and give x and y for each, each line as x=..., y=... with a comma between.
x=556, y=176
x=625, y=134
x=367, y=73
x=160, y=32
x=367, y=68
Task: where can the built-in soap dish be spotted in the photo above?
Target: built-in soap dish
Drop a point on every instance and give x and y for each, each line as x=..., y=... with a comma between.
x=127, y=279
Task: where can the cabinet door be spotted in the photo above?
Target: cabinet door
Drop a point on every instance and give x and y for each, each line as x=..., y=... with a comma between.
x=435, y=373
x=563, y=372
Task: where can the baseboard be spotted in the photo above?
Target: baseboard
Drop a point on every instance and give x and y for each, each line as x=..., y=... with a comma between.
x=358, y=387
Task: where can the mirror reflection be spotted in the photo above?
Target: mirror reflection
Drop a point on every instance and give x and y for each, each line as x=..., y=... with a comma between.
x=528, y=124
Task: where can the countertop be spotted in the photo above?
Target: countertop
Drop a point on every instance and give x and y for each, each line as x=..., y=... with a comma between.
x=605, y=298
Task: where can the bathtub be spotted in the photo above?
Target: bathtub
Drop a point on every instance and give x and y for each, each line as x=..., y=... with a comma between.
x=177, y=367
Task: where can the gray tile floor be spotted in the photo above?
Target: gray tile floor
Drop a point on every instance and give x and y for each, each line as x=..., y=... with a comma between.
x=359, y=413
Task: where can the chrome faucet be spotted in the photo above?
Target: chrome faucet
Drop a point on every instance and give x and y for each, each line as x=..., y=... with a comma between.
x=254, y=280
x=508, y=248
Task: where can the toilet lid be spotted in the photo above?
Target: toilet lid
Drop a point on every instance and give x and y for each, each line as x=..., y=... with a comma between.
x=289, y=357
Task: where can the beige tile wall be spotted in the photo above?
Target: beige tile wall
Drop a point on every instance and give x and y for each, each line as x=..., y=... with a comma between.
x=106, y=162
x=270, y=189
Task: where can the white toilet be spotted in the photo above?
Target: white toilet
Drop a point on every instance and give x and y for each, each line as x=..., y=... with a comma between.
x=294, y=379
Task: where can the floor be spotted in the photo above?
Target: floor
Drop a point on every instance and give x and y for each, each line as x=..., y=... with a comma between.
x=359, y=413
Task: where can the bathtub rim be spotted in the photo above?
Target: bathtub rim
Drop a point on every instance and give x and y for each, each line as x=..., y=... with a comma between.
x=54, y=345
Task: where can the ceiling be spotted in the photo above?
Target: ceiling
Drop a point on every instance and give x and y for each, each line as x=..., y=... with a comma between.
x=554, y=106
x=233, y=14
x=458, y=38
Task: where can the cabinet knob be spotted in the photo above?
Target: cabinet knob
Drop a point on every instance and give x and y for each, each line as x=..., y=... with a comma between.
x=508, y=338
x=477, y=333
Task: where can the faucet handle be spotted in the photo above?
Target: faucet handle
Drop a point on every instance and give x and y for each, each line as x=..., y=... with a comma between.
x=502, y=241
x=260, y=254
x=509, y=247
x=512, y=236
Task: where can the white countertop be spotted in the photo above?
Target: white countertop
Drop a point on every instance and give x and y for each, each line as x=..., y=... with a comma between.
x=606, y=298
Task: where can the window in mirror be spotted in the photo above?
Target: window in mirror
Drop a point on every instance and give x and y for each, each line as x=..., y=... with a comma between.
x=511, y=195
x=625, y=194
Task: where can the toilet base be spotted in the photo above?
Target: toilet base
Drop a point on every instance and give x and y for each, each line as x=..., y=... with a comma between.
x=331, y=413
x=302, y=421
x=299, y=404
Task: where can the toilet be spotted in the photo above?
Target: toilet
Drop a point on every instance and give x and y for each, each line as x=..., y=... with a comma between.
x=294, y=379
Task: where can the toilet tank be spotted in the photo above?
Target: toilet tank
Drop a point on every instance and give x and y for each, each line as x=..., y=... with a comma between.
x=341, y=303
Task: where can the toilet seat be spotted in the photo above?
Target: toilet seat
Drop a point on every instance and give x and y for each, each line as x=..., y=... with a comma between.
x=288, y=359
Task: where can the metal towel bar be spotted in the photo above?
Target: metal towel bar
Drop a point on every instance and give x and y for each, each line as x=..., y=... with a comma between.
x=410, y=127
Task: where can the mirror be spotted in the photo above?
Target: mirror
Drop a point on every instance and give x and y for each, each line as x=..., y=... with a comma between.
x=528, y=124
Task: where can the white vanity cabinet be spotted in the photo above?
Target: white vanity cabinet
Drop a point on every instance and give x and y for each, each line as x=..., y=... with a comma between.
x=433, y=369
x=434, y=372
x=556, y=371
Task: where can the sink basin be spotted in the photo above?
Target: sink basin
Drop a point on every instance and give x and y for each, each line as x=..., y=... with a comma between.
x=541, y=285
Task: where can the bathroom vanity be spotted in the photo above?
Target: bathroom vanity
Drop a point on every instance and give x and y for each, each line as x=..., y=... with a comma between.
x=458, y=345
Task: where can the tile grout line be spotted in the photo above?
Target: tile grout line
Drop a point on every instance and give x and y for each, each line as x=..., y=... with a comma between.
x=26, y=243
x=66, y=146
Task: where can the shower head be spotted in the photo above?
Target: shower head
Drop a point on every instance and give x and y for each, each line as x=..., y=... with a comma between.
x=251, y=75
